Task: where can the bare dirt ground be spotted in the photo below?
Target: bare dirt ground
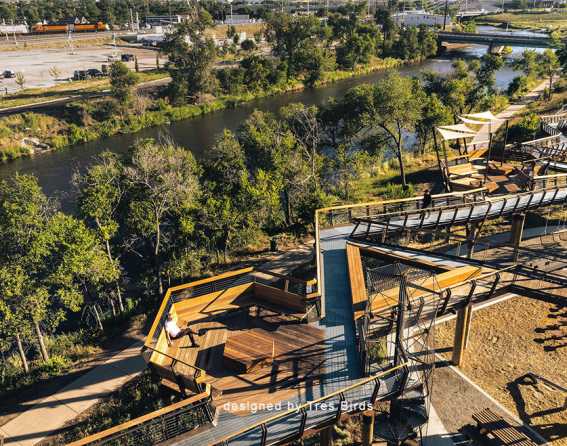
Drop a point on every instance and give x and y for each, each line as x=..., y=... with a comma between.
x=510, y=339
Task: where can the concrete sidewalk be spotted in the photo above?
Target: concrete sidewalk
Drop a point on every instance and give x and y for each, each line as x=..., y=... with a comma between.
x=54, y=411
x=510, y=111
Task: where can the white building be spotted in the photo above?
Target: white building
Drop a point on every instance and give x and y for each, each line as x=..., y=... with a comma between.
x=13, y=29
x=419, y=17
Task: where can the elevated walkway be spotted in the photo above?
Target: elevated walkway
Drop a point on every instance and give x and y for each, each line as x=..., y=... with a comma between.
x=459, y=214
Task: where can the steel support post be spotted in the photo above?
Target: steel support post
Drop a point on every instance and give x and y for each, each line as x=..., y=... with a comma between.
x=367, y=427
x=471, y=230
x=462, y=330
x=326, y=436
x=516, y=233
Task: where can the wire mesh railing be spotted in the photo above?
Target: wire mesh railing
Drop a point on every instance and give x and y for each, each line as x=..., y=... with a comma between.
x=290, y=424
x=158, y=426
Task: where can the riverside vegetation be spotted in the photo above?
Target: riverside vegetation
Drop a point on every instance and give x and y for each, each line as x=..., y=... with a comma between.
x=305, y=52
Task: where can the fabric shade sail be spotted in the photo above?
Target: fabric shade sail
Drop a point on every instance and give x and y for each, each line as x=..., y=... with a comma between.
x=457, y=131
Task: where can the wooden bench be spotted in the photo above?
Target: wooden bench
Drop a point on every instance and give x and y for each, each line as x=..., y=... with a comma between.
x=356, y=279
x=461, y=170
x=494, y=426
x=389, y=298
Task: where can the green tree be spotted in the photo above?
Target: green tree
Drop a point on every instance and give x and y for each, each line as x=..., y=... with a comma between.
x=389, y=28
x=100, y=194
x=518, y=87
x=433, y=114
x=397, y=110
x=14, y=320
x=272, y=148
x=77, y=270
x=295, y=39
x=549, y=66
x=163, y=188
x=122, y=82
x=527, y=63
x=190, y=65
x=24, y=216
x=385, y=111
x=228, y=217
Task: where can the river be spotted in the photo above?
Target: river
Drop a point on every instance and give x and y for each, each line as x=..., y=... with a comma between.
x=54, y=170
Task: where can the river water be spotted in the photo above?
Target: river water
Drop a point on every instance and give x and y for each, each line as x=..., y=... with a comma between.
x=54, y=170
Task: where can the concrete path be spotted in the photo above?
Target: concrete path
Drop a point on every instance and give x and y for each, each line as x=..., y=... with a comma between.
x=54, y=411
x=510, y=111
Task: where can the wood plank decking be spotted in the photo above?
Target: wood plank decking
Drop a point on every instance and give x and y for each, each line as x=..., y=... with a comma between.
x=297, y=363
x=356, y=279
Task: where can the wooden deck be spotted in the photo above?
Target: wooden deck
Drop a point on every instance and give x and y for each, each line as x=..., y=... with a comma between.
x=298, y=360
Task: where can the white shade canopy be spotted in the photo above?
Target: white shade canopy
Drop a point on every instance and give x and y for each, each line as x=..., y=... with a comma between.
x=457, y=131
x=485, y=117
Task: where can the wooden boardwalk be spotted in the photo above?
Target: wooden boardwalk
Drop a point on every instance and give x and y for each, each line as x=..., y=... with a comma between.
x=297, y=363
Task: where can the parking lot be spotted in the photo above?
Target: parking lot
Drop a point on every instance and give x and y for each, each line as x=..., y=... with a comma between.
x=37, y=64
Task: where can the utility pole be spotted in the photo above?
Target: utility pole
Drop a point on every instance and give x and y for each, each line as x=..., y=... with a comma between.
x=445, y=16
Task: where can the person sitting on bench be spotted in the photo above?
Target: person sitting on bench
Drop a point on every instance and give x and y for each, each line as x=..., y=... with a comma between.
x=174, y=332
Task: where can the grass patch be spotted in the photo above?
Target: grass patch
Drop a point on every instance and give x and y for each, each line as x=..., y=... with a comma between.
x=69, y=88
x=551, y=21
x=66, y=351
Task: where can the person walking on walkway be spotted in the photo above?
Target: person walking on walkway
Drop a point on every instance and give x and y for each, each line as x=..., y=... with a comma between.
x=427, y=200
x=174, y=332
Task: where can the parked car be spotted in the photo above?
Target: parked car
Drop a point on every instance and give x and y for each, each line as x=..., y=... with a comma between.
x=93, y=72
x=80, y=75
x=127, y=57
x=8, y=74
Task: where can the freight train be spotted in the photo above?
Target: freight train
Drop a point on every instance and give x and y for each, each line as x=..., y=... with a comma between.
x=41, y=28
x=53, y=28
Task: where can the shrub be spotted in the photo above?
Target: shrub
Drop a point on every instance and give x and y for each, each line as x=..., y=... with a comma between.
x=526, y=128
x=393, y=191
x=518, y=87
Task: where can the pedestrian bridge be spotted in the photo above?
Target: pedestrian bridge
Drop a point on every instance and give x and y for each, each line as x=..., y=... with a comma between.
x=495, y=39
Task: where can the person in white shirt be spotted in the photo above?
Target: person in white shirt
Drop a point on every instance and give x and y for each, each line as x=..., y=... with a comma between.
x=175, y=332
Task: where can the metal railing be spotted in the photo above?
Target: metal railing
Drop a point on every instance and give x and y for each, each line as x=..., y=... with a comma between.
x=158, y=426
x=292, y=423
x=344, y=215
x=549, y=181
x=553, y=119
x=416, y=220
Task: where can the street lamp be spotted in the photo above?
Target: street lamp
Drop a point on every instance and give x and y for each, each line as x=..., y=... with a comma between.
x=230, y=3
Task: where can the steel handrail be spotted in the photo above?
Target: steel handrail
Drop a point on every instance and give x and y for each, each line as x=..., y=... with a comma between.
x=487, y=201
x=198, y=369
x=314, y=402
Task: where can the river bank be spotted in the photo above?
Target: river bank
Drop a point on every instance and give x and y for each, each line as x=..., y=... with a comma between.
x=31, y=133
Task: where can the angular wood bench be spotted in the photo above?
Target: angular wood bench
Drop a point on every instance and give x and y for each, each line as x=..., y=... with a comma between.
x=461, y=170
x=494, y=426
x=356, y=279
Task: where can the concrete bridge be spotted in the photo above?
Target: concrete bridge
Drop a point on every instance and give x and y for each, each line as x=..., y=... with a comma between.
x=495, y=39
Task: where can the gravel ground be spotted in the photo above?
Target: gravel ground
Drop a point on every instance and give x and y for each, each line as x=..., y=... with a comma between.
x=508, y=340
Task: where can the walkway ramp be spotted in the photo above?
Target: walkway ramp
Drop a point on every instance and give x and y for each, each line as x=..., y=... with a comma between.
x=459, y=214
